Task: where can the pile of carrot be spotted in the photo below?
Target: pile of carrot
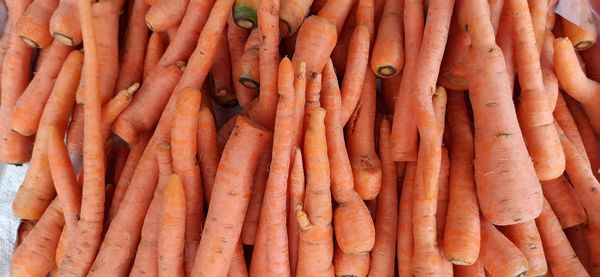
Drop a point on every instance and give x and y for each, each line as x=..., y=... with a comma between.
x=213, y=138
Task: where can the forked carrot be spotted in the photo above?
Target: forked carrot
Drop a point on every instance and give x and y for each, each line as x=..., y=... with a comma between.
x=163, y=14
x=561, y=196
x=404, y=248
x=387, y=58
x=33, y=25
x=171, y=229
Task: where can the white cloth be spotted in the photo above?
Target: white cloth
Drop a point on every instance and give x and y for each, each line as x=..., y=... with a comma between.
x=11, y=178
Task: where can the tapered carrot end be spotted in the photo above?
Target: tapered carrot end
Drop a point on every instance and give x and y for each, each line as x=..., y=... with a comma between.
x=132, y=89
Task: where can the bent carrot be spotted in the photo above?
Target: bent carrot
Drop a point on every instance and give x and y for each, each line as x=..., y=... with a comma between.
x=33, y=25
x=561, y=196
x=65, y=24
x=163, y=15
x=171, y=229
x=499, y=256
x=387, y=58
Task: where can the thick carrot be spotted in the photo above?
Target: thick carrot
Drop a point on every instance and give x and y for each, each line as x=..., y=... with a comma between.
x=291, y=16
x=561, y=197
x=157, y=44
x=182, y=46
x=535, y=108
x=508, y=172
x=221, y=77
x=527, y=238
x=582, y=37
x=114, y=107
x=386, y=220
x=462, y=231
x=208, y=149
x=405, y=210
x=164, y=14
x=387, y=58
x=80, y=255
x=145, y=109
x=337, y=12
x=350, y=264
x=37, y=190
x=184, y=149
x=315, y=252
x=538, y=11
x=296, y=192
x=244, y=13
x=499, y=256
x=566, y=121
x=35, y=256
x=237, y=267
x=248, y=73
x=75, y=131
x=586, y=133
x=355, y=78
x=559, y=253
x=316, y=39
x=225, y=216
x=65, y=24
x=299, y=106
x=33, y=26
x=146, y=258
x=134, y=48
x=354, y=228
x=259, y=182
x=366, y=165
x=172, y=228
x=271, y=237
x=237, y=37
x=573, y=80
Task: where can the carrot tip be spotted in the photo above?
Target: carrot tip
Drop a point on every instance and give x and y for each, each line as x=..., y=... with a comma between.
x=245, y=16
x=64, y=39
x=30, y=42
x=149, y=25
x=249, y=83
x=133, y=89
x=386, y=71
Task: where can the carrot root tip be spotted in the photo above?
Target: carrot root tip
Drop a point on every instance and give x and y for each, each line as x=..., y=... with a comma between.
x=285, y=28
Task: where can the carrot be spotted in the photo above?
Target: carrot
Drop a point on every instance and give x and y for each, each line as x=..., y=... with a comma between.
x=592, y=54
x=182, y=46
x=172, y=228
x=564, y=119
x=405, y=232
x=245, y=13
x=474, y=270
x=221, y=77
x=386, y=221
x=271, y=236
x=355, y=79
x=439, y=106
x=538, y=11
x=452, y=70
x=389, y=90
x=573, y=80
x=144, y=111
x=291, y=16
x=75, y=131
x=248, y=64
x=134, y=48
x=157, y=44
x=37, y=190
x=316, y=39
x=299, y=106
x=226, y=216
x=296, y=192
x=536, y=124
x=208, y=149
x=561, y=197
x=237, y=38
x=582, y=37
x=586, y=133
x=185, y=164
x=224, y=131
x=336, y=11
x=35, y=256
x=114, y=107
x=14, y=148
x=366, y=165
x=315, y=249
x=80, y=255
x=576, y=236
x=313, y=95
x=354, y=229
x=350, y=264
x=527, y=238
x=128, y=169
x=559, y=253
x=163, y=14
x=498, y=172
x=339, y=55
x=259, y=182
x=146, y=258
x=32, y=26
x=65, y=24
x=238, y=267
x=499, y=256
x=506, y=42
x=25, y=228
x=387, y=58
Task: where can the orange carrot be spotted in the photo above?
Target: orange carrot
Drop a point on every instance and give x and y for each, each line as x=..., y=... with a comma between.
x=237, y=38
x=561, y=197
x=405, y=232
x=163, y=14
x=566, y=121
x=355, y=79
x=316, y=39
x=498, y=172
x=114, y=107
x=65, y=24
x=245, y=13
x=75, y=131
x=592, y=54
x=226, y=216
x=526, y=237
x=37, y=190
x=559, y=253
x=538, y=11
x=299, y=106
x=339, y=55
x=259, y=182
x=33, y=25
x=366, y=166
x=474, y=270
x=452, y=70
x=390, y=88
x=208, y=149
x=462, y=231
x=157, y=43
x=35, y=256
x=499, y=256
x=248, y=64
x=582, y=36
x=576, y=236
x=350, y=264
x=386, y=221
x=315, y=252
x=313, y=95
x=291, y=16
x=237, y=267
x=182, y=46
x=224, y=132
x=443, y=195
x=172, y=228
x=296, y=192
x=505, y=40
x=337, y=12
x=387, y=58
x=184, y=149
x=134, y=48
x=221, y=77
x=586, y=133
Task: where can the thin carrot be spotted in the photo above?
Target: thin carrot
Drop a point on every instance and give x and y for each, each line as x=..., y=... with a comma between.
x=366, y=165
x=527, y=238
x=315, y=252
x=577, y=238
x=245, y=13
x=586, y=133
x=65, y=24
x=114, y=107
x=184, y=149
x=387, y=58
x=350, y=264
x=561, y=197
x=405, y=233
x=538, y=11
x=37, y=190
x=163, y=14
x=33, y=25
x=172, y=228
x=313, y=95
x=339, y=55
x=452, y=70
x=237, y=37
x=567, y=122
x=499, y=256
x=355, y=78
x=248, y=64
x=75, y=131
x=134, y=48
x=157, y=44
x=386, y=220
x=390, y=88
x=300, y=91
x=221, y=77
x=296, y=191
x=226, y=216
x=506, y=42
x=291, y=16
x=582, y=36
x=208, y=149
x=259, y=182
